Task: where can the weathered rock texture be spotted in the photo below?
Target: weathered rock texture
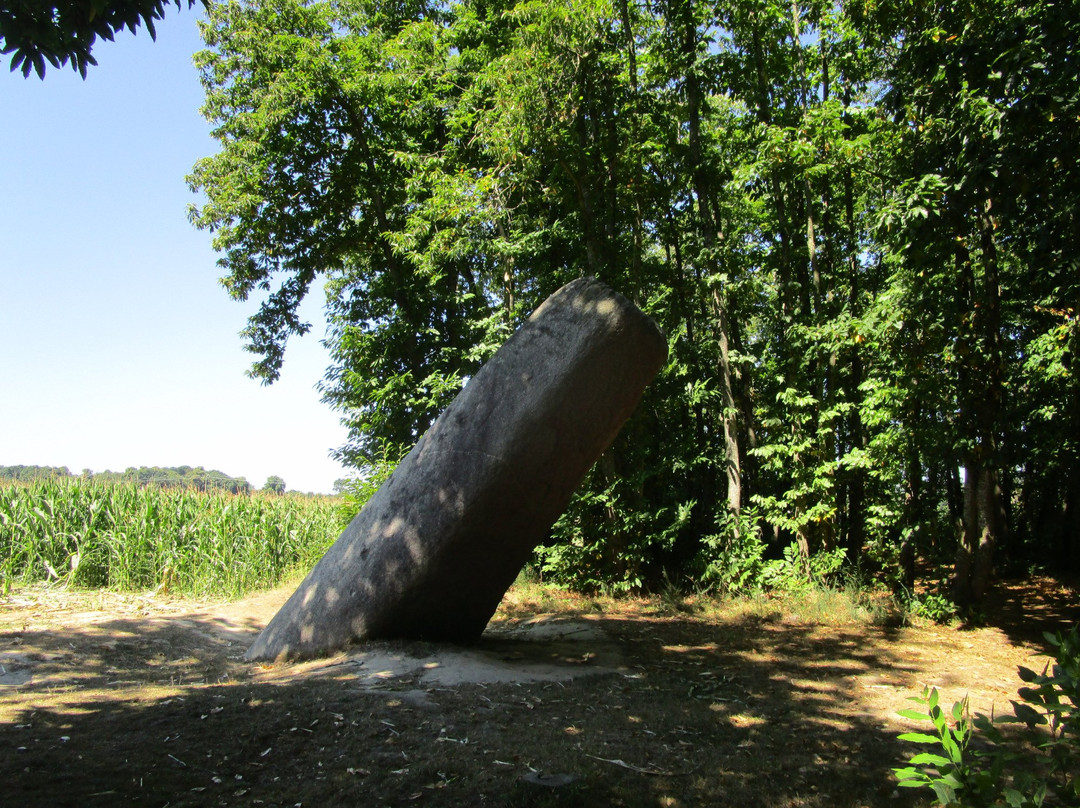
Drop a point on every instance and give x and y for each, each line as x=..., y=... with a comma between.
x=434, y=550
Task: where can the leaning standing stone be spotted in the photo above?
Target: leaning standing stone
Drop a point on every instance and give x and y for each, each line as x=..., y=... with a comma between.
x=434, y=550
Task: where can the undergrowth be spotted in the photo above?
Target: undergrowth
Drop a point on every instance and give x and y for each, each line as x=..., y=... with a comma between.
x=815, y=604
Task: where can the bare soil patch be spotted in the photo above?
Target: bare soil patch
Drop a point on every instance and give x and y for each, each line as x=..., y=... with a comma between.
x=141, y=700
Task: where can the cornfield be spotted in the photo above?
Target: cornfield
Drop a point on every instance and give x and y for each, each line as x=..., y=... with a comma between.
x=126, y=537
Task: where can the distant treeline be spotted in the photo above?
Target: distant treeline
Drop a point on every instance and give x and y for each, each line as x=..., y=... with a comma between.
x=184, y=476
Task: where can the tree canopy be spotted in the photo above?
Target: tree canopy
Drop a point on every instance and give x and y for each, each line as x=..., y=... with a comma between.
x=63, y=31
x=274, y=485
x=856, y=222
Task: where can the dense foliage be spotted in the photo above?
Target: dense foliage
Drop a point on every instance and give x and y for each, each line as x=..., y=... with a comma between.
x=125, y=535
x=856, y=222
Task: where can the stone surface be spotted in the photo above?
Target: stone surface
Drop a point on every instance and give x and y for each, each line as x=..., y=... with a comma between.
x=434, y=550
x=544, y=649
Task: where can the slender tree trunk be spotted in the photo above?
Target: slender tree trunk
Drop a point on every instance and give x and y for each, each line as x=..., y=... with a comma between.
x=1068, y=506
x=733, y=463
x=702, y=484
x=856, y=516
x=711, y=234
x=983, y=526
x=764, y=113
x=1069, y=553
x=616, y=541
x=954, y=500
x=982, y=386
x=969, y=537
x=508, y=275
x=913, y=515
x=637, y=181
x=991, y=531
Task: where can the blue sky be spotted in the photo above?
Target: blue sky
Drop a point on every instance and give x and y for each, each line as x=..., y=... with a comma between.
x=118, y=347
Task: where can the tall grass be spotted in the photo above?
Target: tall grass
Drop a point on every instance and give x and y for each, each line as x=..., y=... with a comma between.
x=126, y=537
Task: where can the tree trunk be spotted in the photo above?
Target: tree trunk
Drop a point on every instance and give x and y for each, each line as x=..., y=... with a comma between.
x=733, y=462
x=982, y=529
x=981, y=390
x=913, y=515
x=711, y=232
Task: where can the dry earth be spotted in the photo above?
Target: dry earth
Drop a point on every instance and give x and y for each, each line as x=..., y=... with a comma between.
x=110, y=700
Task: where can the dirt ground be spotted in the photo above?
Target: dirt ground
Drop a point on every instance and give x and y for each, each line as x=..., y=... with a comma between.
x=145, y=700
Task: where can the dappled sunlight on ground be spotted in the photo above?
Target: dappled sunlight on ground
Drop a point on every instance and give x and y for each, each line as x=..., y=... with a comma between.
x=108, y=699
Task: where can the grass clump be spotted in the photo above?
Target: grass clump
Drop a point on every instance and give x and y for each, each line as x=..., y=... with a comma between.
x=814, y=604
x=819, y=604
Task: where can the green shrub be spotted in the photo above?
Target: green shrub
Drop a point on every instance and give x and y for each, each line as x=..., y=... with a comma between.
x=933, y=606
x=733, y=560
x=999, y=773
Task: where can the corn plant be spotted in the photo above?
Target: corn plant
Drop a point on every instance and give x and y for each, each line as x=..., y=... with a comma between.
x=127, y=536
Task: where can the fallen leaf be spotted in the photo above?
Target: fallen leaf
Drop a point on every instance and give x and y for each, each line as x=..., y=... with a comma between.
x=625, y=765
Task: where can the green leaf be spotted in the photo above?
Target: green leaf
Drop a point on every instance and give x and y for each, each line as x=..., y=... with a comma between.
x=951, y=748
x=958, y=710
x=919, y=737
x=914, y=715
x=950, y=779
x=940, y=723
x=931, y=759
x=911, y=783
x=1013, y=797
x=946, y=794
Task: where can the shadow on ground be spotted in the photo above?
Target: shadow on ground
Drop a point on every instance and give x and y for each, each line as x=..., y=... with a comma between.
x=653, y=711
x=1026, y=608
x=630, y=705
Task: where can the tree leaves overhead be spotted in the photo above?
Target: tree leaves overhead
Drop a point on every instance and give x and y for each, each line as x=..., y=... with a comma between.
x=57, y=32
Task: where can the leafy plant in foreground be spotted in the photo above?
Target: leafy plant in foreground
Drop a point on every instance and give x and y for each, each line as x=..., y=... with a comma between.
x=1051, y=700
x=955, y=771
x=998, y=775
